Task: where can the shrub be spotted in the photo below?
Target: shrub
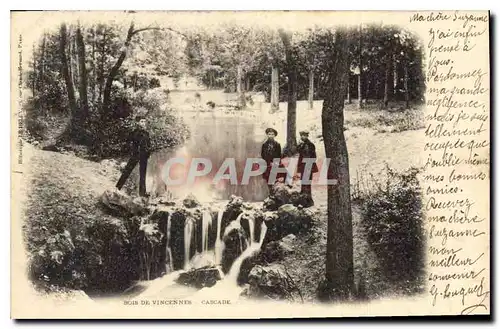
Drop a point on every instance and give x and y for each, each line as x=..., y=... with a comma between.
x=393, y=219
x=165, y=128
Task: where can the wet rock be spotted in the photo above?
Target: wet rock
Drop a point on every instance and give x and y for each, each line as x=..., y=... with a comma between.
x=190, y=201
x=269, y=281
x=201, y=277
x=270, y=204
x=252, y=220
x=120, y=204
x=235, y=241
x=178, y=220
x=289, y=219
x=232, y=211
x=247, y=265
x=235, y=201
x=277, y=250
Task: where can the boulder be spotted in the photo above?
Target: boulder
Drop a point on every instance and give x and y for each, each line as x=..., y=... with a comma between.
x=286, y=193
x=201, y=277
x=190, y=201
x=121, y=204
x=269, y=281
x=289, y=219
x=235, y=241
x=270, y=204
x=277, y=250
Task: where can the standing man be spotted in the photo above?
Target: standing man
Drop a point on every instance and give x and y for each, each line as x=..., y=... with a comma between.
x=271, y=150
x=140, y=151
x=306, y=150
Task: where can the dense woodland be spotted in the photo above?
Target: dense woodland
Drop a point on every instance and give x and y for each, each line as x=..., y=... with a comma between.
x=100, y=74
x=96, y=77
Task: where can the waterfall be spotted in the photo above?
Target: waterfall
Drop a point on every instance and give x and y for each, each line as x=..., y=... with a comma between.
x=218, y=241
x=250, y=251
x=188, y=235
x=170, y=265
x=251, y=227
x=233, y=225
x=206, y=223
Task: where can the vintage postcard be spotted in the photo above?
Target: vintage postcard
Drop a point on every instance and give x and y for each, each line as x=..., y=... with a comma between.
x=253, y=164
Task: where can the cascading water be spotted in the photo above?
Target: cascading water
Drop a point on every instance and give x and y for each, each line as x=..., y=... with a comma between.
x=170, y=265
x=228, y=286
x=206, y=223
x=188, y=235
x=250, y=251
x=251, y=228
x=219, y=244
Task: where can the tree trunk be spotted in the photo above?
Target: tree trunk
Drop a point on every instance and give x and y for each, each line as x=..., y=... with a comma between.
x=386, y=81
x=101, y=68
x=35, y=76
x=106, y=99
x=360, y=57
x=94, y=66
x=407, y=90
x=76, y=64
x=339, y=249
x=291, y=140
x=84, y=101
x=239, y=87
x=349, y=101
x=275, y=88
x=41, y=64
x=67, y=77
x=247, y=83
x=311, y=89
x=395, y=74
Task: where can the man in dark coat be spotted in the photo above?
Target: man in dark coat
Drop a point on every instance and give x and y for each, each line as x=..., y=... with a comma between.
x=306, y=150
x=140, y=143
x=271, y=150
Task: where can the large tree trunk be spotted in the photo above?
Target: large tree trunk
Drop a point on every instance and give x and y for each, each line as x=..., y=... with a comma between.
x=360, y=58
x=84, y=101
x=311, y=89
x=66, y=75
x=339, y=249
x=275, y=88
x=407, y=90
x=239, y=87
x=386, y=81
x=291, y=140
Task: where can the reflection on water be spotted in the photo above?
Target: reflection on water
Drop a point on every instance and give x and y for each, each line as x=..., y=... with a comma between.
x=216, y=138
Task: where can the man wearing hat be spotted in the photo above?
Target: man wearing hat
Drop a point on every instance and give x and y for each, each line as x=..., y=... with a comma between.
x=140, y=150
x=306, y=150
x=271, y=149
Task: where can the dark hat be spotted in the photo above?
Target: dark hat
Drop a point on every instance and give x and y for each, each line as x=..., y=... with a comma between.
x=269, y=130
x=304, y=133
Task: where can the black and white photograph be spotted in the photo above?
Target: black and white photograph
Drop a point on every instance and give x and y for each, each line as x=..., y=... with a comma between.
x=199, y=164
